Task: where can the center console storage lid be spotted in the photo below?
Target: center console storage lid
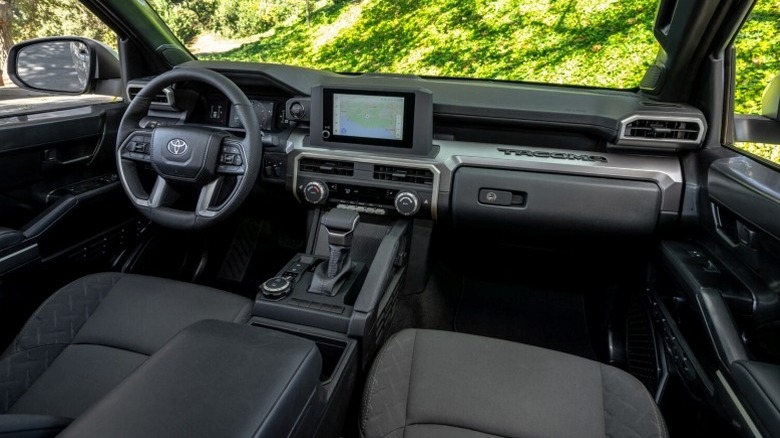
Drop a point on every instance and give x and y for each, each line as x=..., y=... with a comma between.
x=213, y=379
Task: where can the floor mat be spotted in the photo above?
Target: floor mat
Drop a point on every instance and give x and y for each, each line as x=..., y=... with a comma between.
x=241, y=249
x=538, y=316
x=257, y=250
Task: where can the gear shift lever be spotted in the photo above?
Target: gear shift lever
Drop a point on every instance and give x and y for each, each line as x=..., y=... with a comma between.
x=340, y=224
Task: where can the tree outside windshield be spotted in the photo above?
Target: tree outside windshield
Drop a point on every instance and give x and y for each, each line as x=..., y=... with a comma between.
x=599, y=43
x=583, y=42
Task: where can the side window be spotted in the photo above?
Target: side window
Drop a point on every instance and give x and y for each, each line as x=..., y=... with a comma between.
x=22, y=20
x=758, y=62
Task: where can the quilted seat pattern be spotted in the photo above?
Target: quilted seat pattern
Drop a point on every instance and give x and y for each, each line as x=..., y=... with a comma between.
x=46, y=334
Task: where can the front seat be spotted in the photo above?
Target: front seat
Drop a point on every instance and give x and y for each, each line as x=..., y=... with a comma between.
x=90, y=335
x=428, y=383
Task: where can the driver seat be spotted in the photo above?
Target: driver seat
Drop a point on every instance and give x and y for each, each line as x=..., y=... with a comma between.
x=91, y=334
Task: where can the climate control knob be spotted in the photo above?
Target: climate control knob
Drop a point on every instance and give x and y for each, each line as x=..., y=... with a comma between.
x=315, y=192
x=407, y=203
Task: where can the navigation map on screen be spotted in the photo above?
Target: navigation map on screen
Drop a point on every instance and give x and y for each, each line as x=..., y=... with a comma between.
x=379, y=117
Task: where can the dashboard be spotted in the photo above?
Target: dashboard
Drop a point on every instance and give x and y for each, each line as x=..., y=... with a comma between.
x=505, y=157
x=216, y=111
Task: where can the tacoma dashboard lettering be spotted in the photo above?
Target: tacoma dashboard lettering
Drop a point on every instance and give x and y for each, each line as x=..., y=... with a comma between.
x=556, y=155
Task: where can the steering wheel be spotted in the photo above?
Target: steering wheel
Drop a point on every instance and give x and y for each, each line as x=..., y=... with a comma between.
x=222, y=168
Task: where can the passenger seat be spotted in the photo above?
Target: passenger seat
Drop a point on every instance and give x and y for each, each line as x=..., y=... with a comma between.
x=428, y=383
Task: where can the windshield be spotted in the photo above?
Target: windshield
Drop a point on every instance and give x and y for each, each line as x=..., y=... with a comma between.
x=580, y=42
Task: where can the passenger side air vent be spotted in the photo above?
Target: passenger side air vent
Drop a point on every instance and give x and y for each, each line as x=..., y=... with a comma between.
x=164, y=97
x=403, y=174
x=670, y=129
x=327, y=167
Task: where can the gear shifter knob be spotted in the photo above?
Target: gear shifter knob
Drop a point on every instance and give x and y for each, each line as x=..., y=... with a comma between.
x=340, y=225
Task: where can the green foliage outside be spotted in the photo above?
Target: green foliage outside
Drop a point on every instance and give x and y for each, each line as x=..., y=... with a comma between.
x=758, y=56
x=42, y=18
x=588, y=42
x=229, y=18
x=758, y=61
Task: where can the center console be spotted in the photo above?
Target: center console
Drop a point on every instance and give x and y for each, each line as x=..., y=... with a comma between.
x=348, y=284
x=367, y=169
x=368, y=150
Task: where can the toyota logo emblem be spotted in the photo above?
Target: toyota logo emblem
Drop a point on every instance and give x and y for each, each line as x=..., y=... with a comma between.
x=177, y=146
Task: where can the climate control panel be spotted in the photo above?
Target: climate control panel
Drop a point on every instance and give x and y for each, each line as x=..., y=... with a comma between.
x=380, y=201
x=379, y=187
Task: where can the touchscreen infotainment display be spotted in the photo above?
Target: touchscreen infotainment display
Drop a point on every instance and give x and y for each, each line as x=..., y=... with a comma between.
x=380, y=118
x=377, y=117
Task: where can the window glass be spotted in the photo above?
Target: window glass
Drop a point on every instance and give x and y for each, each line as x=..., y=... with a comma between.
x=758, y=61
x=584, y=42
x=22, y=20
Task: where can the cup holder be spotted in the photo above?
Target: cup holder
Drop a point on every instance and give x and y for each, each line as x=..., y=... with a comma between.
x=331, y=349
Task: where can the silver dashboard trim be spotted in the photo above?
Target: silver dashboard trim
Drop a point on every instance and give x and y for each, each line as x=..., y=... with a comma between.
x=664, y=171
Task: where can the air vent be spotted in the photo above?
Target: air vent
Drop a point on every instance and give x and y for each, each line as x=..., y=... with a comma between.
x=164, y=97
x=327, y=167
x=403, y=174
x=666, y=129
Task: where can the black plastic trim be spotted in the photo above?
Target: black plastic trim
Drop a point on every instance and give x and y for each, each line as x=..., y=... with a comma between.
x=555, y=203
x=749, y=189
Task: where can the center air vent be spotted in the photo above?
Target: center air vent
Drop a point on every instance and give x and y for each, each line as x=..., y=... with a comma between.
x=327, y=167
x=667, y=129
x=164, y=97
x=403, y=174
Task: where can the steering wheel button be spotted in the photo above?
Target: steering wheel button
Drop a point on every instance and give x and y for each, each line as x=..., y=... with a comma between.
x=237, y=160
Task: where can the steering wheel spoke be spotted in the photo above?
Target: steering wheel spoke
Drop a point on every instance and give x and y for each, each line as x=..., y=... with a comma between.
x=208, y=194
x=162, y=194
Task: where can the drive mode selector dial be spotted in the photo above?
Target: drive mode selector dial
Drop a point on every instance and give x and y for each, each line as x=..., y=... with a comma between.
x=275, y=288
x=315, y=192
x=407, y=203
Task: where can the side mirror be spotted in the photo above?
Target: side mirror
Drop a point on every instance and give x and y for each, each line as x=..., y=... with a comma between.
x=770, y=102
x=61, y=65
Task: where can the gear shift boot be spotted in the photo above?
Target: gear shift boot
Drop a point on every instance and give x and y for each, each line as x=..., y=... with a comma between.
x=340, y=225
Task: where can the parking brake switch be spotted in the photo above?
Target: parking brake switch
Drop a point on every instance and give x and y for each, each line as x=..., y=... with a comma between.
x=340, y=225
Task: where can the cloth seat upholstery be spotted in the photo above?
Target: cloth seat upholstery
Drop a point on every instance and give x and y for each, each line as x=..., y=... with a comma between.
x=428, y=383
x=91, y=334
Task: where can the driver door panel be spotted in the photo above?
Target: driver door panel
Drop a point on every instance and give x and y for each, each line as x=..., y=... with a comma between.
x=58, y=185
